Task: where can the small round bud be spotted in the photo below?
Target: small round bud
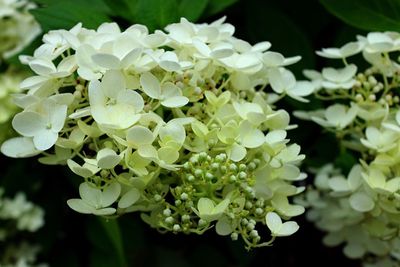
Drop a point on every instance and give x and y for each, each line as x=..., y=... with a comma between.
x=79, y=87
x=209, y=176
x=167, y=212
x=190, y=178
x=250, y=226
x=233, y=167
x=252, y=166
x=184, y=196
x=376, y=89
x=234, y=236
x=169, y=220
x=185, y=218
x=198, y=173
x=359, y=98
x=176, y=228
x=197, y=90
x=202, y=156
x=248, y=205
x=202, y=223
x=257, y=162
x=157, y=197
x=223, y=169
x=254, y=233
x=242, y=167
x=259, y=211
x=252, y=221
x=77, y=95
x=242, y=175
x=215, y=166
x=232, y=178
x=186, y=166
x=372, y=97
x=244, y=221
x=178, y=202
x=372, y=80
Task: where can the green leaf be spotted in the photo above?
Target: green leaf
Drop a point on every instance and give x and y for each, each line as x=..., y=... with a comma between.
x=65, y=14
x=113, y=232
x=216, y=6
x=155, y=14
x=371, y=15
x=261, y=25
x=192, y=9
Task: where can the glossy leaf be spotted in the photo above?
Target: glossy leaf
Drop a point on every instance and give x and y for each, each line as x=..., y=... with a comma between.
x=371, y=15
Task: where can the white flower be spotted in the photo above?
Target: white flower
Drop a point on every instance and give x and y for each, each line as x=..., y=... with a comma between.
x=19, y=147
x=208, y=211
x=337, y=115
x=346, y=50
x=111, y=104
x=95, y=201
x=378, y=42
x=43, y=126
x=169, y=61
x=283, y=81
x=277, y=228
x=275, y=60
x=339, y=78
x=168, y=93
x=380, y=140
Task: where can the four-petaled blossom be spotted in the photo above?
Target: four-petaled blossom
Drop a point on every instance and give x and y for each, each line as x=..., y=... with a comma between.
x=111, y=104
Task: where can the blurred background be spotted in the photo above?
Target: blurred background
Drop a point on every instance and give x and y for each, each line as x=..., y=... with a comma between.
x=294, y=28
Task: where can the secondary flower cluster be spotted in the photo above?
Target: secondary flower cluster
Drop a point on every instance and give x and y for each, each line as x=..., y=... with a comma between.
x=18, y=27
x=9, y=85
x=361, y=209
x=173, y=124
x=18, y=215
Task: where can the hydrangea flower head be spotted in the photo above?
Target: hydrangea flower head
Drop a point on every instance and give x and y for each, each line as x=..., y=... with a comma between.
x=175, y=124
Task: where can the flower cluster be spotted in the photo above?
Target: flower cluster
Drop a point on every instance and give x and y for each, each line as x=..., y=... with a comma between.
x=18, y=215
x=174, y=124
x=18, y=26
x=9, y=85
x=362, y=209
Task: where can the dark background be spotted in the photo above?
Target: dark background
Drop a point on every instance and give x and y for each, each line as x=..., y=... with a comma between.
x=294, y=28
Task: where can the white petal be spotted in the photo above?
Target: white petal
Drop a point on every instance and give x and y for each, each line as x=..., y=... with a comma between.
x=288, y=228
x=19, y=147
x=339, y=75
x=129, y=198
x=110, y=194
x=45, y=139
x=42, y=67
x=104, y=211
x=274, y=222
x=237, y=152
x=80, y=170
x=361, y=202
x=112, y=83
x=223, y=227
x=29, y=123
x=80, y=206
x=106, y=61
x=90, y=195
x=107, y=158
x=139, y=135
x=58, y=115
x=168, y=154
x=175, y=102
x=131, y=98
x=205, y=205
x=150, y=85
